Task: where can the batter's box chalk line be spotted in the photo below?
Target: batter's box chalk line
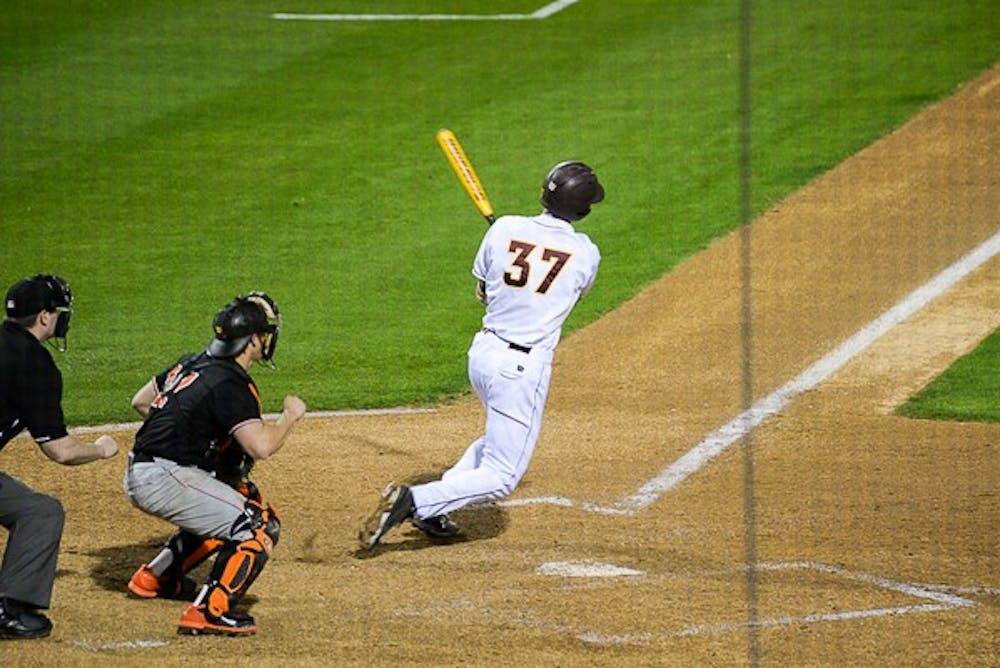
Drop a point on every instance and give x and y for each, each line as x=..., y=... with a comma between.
x=929, y=600
x=540, y=13
x=585, y=569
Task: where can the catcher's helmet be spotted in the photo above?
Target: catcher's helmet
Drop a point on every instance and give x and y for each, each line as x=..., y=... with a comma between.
x=569, y=189
x=239, y=320
x=42, y=292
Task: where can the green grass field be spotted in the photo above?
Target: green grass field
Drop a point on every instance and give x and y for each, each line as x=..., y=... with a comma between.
x=165, y=156
x=969, y=391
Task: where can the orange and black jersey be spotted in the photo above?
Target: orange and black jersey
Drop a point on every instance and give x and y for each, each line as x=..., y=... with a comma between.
x=200, y=402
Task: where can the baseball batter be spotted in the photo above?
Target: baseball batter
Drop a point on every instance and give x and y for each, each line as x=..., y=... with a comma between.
x=531, y=272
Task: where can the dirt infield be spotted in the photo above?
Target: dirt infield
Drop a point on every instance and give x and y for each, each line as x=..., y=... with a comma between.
x=875, y=536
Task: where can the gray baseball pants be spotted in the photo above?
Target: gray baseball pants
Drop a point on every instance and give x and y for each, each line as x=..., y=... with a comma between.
x=189, y=497
x=35, y=522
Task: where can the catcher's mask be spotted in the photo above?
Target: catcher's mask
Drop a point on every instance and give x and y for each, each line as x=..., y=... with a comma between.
x=569, y=189
x=237, y=322
x=42, y=292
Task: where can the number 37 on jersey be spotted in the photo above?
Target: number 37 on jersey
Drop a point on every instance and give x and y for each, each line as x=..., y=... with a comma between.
x=528, y=258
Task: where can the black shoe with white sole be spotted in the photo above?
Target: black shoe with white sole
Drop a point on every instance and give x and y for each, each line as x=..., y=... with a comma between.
x=438, y=526
x=395, y=506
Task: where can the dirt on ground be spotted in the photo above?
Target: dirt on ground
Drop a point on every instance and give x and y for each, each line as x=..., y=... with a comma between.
x=654, y=526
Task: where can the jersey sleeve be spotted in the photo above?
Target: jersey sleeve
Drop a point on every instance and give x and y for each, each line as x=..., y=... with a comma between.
x=42, y=411
x=484, y=256
x=594, y=259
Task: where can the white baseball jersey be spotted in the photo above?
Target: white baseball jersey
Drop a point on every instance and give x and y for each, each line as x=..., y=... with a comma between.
x=535, y=269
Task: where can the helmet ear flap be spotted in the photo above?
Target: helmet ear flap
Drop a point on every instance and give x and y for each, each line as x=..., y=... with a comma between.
x=569, y=189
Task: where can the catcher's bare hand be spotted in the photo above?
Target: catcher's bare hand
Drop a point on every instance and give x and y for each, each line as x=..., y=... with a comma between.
x=294, y=407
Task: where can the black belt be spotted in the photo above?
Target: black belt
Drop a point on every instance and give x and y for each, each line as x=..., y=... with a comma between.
x=510, y=344
x=141, y=457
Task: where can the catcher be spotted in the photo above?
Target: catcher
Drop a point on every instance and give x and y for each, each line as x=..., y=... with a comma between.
x=202, y=433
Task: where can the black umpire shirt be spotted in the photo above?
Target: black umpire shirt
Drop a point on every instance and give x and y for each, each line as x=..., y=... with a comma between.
x=200, y=402
x=30, y=388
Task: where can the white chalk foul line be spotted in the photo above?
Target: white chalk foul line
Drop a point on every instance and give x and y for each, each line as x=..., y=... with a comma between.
x=722, y=438
x=541, y=13
x=932, y=601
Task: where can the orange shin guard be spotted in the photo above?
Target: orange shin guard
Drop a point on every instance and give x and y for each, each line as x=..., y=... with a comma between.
x=236, y=567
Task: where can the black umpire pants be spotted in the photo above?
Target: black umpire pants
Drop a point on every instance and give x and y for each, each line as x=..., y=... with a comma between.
x=35, y=523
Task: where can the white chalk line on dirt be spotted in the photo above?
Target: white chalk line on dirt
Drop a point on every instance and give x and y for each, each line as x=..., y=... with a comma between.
x=932, y=600
x=540, y=13
x=370, y=412
x=103, y=646
x=585, y=569
x=725, y=436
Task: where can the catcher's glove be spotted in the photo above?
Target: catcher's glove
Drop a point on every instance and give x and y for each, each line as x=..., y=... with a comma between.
x=249, y=490
x=229, y=462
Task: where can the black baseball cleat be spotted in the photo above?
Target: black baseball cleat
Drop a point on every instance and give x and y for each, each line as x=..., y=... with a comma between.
x=438, y=526
x=18, y=623
x=395, y=506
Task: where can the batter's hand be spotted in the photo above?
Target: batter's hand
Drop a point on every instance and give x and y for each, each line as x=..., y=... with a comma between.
x=294, y=407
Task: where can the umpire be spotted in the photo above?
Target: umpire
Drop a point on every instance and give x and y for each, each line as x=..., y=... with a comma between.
x=38, y=309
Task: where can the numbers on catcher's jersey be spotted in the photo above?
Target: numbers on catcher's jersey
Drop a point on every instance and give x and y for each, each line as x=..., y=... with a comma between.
x=520, y=269
x=175, y=383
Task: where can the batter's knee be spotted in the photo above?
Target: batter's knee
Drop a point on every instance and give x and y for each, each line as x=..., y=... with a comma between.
x=502, y=487
x=509, y=485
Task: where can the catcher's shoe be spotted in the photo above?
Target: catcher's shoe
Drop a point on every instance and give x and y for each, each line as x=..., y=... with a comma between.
x=395, y=506
x=438, y=526
x=146, y=584
x=196, y=620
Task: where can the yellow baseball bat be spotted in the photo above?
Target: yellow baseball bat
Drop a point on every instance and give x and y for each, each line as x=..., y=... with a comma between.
x=460, y=164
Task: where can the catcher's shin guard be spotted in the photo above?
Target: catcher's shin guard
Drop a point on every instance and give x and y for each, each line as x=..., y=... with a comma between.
x=240, y=562
x=235, y=569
